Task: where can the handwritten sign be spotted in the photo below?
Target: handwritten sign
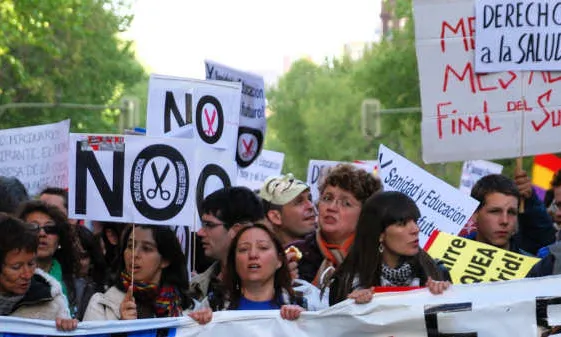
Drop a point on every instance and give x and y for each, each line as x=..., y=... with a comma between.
x=473, y=170
x=253, y=122
x=267, y=164
x=442, y=206
x=470, y=261
x=524, y=35
x=469, y=116
x=36, y=155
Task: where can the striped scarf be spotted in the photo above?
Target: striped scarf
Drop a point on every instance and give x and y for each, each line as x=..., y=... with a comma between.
x=166, y=299
x=333, y=257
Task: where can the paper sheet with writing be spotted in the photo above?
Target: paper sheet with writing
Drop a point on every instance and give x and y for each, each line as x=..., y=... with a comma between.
x=470, y=116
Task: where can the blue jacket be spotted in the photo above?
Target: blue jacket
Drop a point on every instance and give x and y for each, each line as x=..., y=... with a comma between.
x=535, y=228
x=549, y=265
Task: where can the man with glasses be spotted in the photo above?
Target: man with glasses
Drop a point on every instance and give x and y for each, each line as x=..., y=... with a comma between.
x=224, y=213
x=288, y=207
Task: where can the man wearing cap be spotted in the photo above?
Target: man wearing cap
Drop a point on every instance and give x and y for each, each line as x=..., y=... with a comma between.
x=288, y=207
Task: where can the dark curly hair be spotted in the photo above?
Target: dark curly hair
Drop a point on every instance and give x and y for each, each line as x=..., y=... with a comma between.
x=358, y=182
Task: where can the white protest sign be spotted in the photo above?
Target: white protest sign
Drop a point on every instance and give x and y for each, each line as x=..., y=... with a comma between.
x=523, y=35
x=215, y=169
x=519, y=308
x=268, y=163
x=36, y=155
x=469, y=116
x=253, y=122
x=184, y=107
x=137, y=179
x=473, y=170
x=442, y=206
x=316, y=171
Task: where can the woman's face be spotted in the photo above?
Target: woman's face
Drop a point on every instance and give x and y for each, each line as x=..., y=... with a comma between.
x=17, y=271
x=400, y=239
x=48, y=234
x=257, y=258
x=338, y=214
x=147, y=264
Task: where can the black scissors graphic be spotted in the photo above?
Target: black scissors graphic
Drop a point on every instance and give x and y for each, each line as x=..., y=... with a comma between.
x=151, y=193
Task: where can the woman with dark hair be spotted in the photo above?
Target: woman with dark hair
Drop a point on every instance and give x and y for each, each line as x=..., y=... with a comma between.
x=257, y=275
x=56, y=250
x=152, y=280
x=25, y=290
x=91, y=276
x=386, y=252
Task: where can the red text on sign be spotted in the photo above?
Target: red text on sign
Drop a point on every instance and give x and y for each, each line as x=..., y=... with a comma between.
x=466, y=26
x=448, y=121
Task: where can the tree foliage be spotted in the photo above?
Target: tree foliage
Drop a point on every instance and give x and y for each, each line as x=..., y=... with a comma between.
x=64, y=51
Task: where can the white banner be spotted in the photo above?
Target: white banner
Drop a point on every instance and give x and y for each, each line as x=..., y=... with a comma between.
x=473, y=170
x=137, y=179
x=442, y=206
x=267, y=164
x=523, y=35
x=520, y=308
x=253, y=122
x=36, y=155
x=184, y=107
x=469, y=116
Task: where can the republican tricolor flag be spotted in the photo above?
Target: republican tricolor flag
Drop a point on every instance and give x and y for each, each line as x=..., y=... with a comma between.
x=545, y=166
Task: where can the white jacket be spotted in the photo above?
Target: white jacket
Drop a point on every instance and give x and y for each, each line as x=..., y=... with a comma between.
x=44, y=299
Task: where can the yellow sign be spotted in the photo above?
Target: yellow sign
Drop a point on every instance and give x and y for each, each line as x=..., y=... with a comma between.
x=470, y=261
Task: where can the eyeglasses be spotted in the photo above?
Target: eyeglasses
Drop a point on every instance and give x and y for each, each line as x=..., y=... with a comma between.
x=210, y=225
x=555, y=206
x=50, y=229
x=328, y=200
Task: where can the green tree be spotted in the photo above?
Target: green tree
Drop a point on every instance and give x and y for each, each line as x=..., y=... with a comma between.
x=64, y=51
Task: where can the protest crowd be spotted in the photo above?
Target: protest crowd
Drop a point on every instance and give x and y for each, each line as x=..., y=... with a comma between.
x=274, y=248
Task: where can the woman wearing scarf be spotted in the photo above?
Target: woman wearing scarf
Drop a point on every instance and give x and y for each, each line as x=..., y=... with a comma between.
x=342, y=193
x=154, y=258
x=386, y=252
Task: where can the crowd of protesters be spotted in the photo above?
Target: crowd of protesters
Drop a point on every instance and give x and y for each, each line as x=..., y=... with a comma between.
x=274, y=248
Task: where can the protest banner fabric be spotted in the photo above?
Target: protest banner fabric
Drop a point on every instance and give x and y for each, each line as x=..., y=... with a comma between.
x=471, y=261
x=136, y=179
x=267, y=164
x=442, y=206
x=519, y=308
x=470, y=116
x=473, y=170
x=523, y=35
x=253, y=122
x=543, y=170
x=36, y=155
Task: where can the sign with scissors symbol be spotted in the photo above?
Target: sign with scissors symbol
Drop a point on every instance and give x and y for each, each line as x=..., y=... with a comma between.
x=152, y=192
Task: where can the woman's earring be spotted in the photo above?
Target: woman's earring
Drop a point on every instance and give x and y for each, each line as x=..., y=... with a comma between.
x=59, y=247
x=381, y=248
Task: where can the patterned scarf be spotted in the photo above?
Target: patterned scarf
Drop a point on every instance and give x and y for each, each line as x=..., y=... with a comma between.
x=400, y=276
x=166, y=299
x=333, y=257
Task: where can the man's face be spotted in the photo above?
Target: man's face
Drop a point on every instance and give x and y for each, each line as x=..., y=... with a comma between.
x=215, y=238
x=496, y=219
x=54, y=200
x=299, y=216
x=557, y=200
